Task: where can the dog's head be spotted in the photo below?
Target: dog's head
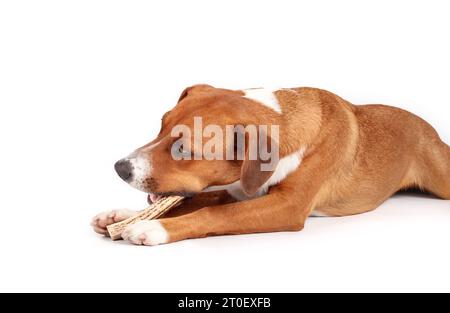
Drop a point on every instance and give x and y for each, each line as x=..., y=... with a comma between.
x=176, y=164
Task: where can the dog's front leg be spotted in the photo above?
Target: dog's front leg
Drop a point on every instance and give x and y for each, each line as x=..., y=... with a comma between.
x=201, y=200
x=285, y=208
x=273, y=212
x=204, y=199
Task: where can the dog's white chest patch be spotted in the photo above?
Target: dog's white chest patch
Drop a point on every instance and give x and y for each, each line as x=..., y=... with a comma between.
x=286, y=166
x=264, y=96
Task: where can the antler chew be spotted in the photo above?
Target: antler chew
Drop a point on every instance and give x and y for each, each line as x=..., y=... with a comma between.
x=154, y=211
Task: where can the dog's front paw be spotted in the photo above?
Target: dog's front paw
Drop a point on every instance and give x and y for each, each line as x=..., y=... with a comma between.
x=100, y=221
x=148, y=233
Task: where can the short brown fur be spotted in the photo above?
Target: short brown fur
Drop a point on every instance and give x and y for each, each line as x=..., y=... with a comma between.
x=356, y=158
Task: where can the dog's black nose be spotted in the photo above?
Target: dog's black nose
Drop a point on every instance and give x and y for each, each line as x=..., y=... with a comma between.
x=124, y=169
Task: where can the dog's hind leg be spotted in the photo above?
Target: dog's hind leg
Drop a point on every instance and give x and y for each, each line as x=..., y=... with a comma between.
x=434, y=169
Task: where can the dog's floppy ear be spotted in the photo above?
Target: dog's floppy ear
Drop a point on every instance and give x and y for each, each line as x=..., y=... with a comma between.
x=196, y=88
x=255, y=170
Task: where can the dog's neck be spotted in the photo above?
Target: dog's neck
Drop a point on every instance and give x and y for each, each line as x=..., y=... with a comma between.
x=297, y=112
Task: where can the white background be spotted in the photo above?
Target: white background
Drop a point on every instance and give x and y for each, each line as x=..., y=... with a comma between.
x=82, y=83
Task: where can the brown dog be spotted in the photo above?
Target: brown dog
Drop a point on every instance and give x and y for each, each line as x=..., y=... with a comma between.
x=336, y=159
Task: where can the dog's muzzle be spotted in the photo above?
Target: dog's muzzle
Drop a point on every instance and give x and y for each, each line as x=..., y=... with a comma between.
x=135, y=171
x=124, y=169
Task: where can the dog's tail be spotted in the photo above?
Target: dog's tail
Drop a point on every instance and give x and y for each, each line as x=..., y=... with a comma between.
x=435, y=177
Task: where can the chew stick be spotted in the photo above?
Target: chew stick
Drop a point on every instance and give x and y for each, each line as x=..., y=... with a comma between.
x=155, y=210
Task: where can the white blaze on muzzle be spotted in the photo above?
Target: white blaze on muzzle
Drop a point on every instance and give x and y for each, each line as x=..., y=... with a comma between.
x=140, y=167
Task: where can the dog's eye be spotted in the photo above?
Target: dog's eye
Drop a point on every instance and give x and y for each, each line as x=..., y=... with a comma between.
x=183, y=151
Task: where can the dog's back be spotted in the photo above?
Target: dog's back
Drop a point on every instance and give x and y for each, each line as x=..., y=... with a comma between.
x=395, y=150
